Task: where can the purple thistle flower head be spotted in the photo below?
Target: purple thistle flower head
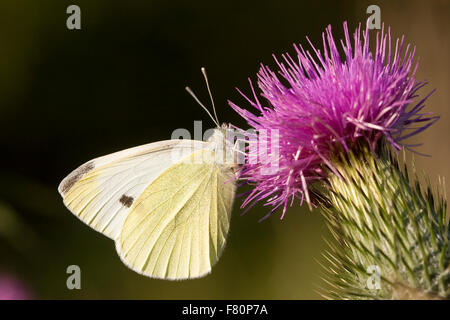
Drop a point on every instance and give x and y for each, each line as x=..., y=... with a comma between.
x=318, y=101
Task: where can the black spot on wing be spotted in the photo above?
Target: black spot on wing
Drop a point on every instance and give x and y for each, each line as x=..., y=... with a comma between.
x=75, y=176
x=126, y=201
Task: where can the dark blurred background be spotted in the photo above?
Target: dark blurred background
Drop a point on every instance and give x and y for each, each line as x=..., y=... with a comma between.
x=67, y=96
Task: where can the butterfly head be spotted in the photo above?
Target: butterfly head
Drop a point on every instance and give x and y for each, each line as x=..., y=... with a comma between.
x=223, y=142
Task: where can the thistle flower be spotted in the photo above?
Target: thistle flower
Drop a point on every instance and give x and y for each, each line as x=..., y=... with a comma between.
x=338, y=122
x=318, y=103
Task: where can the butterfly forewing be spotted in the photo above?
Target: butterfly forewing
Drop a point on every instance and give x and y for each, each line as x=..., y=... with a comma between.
x=101, y=191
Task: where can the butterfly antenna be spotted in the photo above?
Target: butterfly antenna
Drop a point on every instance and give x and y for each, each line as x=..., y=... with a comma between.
x=201, y=104
x=210, y=95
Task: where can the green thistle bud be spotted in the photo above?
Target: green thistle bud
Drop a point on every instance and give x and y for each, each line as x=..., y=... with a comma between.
x=392, y=236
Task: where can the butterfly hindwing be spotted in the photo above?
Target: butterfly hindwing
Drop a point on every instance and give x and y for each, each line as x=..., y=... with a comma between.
x=178, y=226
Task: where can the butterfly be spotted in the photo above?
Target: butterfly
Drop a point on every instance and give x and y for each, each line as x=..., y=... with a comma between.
x=167, y=205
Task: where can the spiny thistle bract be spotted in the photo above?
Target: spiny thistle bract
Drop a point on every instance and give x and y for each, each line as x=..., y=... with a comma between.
x=388, y=229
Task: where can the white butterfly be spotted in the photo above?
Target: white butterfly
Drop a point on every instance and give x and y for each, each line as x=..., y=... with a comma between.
x=167, y=205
